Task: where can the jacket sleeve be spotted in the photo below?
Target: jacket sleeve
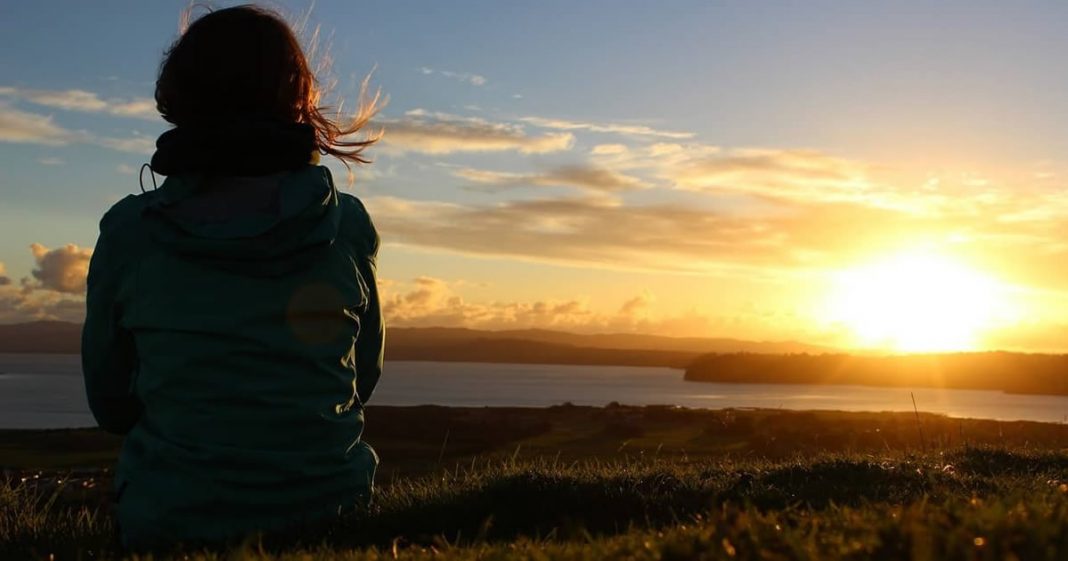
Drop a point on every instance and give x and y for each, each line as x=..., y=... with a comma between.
x=371, y=340
x=109, y=358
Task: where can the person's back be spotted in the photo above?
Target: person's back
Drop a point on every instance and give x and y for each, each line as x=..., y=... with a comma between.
x=233, y=328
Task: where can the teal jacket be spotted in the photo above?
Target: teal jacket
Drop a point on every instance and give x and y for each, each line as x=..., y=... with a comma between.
x=233, y=333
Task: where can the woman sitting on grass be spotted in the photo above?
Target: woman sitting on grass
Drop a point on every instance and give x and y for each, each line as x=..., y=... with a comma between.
x=233, y=330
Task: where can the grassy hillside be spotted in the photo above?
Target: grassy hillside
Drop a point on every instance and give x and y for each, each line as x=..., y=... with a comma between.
x=966, y=504
x=639, y=483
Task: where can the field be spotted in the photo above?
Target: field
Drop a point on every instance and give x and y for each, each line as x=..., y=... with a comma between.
x=620, y=482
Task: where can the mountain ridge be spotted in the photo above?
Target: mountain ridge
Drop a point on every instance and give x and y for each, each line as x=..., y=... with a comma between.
x=439, y=343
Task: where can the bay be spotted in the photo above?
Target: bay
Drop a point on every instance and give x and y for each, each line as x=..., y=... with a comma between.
x=46, y=391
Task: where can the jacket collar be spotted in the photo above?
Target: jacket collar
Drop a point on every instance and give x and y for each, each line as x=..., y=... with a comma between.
x=241, y=147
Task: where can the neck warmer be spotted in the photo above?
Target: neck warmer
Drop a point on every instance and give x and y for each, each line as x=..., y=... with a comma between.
x=236, y=148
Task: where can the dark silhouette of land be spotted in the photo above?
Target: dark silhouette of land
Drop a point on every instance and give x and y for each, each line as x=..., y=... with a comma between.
x=421, y=439
x=704, y=359
x=1009, y=372
x=470, y=345
x=50, y=337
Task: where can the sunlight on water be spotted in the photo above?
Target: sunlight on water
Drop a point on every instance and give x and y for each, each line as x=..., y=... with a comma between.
x=45, y=391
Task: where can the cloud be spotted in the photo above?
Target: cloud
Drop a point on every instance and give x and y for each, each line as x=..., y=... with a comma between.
x=21, y=127
x=63, y=269
x=31, y=128
x=428, y=297
x=721, y=239
x=473, y=79
x=789, y=174
x=432, y=301
x=56, y=291
x=583, y=176
x=86, y=102
x=578, y=231
x=19, y=305
x=784, y=174
x=441, y=133
x=608, y=149
x=791, y=178
x=746, y=212
x=137, y=144
x=637, y=306
x=611, y=128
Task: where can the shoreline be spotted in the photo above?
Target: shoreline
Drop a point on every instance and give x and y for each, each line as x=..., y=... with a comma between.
x=686, y=373
x=675, y=407
x=416, y=439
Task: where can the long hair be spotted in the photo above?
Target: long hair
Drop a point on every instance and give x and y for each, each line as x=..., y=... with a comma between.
x=245, y=62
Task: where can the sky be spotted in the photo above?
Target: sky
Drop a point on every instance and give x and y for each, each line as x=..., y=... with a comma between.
x=859, y=175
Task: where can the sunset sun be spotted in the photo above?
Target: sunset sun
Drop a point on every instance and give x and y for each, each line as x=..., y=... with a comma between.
x=916, y=302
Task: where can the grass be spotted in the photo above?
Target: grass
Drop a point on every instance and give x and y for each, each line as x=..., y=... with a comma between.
x=598, y=498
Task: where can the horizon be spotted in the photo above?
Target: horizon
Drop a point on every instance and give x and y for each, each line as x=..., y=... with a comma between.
x=688, y=170
x=810, y=349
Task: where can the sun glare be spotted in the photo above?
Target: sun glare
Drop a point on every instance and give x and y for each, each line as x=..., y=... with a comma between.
x=916, y=302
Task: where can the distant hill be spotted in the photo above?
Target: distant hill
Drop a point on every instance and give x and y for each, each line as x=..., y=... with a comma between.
x=535, y=346
x=1004, y=371
x=433, y=336
x=532, y=352
x=55, y=337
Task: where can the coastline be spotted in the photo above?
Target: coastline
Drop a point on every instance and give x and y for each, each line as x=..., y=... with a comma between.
x=412, y=439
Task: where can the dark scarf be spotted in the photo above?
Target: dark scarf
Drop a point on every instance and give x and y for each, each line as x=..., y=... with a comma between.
x=236, y=148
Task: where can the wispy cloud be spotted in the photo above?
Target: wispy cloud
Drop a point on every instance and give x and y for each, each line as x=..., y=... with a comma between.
x=790, y=174
x=85, y=101
x=611, y=128
x=30, y=128
x=787, y=238
x=442, y=133
x=136, y=144
x=608, y=149
x=583, y=176
x=21, y=127
x=637, y=306
x=590, y=232
x=779, y=174
x=473, y=79
x=805, y=174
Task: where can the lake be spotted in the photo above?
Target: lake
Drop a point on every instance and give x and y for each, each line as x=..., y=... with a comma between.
x=46, y=391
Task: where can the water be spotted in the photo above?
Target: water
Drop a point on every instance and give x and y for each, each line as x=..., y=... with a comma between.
x=45, y=391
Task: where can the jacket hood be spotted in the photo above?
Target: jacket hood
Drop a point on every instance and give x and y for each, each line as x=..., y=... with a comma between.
x=262, y=225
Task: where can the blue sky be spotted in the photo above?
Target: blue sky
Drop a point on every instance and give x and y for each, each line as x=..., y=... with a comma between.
x=697, y=168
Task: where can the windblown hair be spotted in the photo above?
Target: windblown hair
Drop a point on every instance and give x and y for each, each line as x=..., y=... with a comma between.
x=246, y=63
